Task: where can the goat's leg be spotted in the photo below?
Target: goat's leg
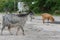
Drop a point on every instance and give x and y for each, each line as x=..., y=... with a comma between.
x=2, y=29
x=48, y=20
x=19, y=29
x=22, y=30
x=43, y=21
x=9, y=30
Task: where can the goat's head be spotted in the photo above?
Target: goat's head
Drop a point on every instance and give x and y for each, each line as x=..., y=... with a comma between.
x=52, y=19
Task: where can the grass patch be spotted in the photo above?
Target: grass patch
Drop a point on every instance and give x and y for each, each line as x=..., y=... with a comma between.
x=38, y=14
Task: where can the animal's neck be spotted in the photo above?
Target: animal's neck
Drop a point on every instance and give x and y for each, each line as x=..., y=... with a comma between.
x=23, y=15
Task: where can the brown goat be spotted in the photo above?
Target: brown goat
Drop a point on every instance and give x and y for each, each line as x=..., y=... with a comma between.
x=48, y=17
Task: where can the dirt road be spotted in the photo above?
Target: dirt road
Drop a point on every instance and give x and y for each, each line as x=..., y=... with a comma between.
x=34, y=30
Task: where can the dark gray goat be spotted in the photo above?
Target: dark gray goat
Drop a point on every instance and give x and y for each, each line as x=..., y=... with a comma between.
x=11, y=19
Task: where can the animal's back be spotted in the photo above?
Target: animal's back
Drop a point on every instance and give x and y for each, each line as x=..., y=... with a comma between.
x=9, y=18
x=46, y=15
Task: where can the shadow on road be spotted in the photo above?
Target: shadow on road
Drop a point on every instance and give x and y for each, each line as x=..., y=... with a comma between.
x=55, y=22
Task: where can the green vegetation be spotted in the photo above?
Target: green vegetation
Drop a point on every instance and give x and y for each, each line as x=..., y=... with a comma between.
x=38, y=6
